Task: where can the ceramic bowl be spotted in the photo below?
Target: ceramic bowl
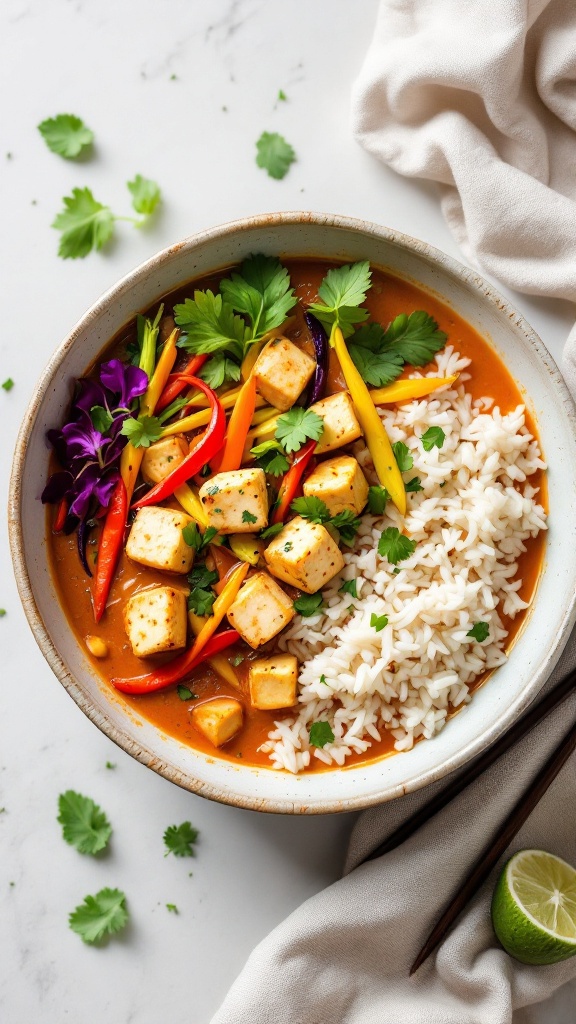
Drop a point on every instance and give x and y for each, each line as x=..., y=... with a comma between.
x=496, y=704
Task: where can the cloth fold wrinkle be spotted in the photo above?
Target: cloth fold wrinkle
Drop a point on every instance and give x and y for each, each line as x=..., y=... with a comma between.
x=481, y=98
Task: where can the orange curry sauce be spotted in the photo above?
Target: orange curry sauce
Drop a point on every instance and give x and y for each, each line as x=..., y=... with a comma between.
x=388, y=297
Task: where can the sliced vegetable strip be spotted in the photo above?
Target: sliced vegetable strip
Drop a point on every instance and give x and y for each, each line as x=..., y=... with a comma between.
x=217, y=662
x=375, y=435
x=220, y=607
x=178, y=669
x=110, y=547
x=205, y=449
x=404, y=390
x=60, y=517
x=176, y=382
x=238, y=426
x=320, y=341
x=191, y=504
x=291, y=482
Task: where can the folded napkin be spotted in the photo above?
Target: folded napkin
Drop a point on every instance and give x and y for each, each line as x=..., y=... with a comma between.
x=479, y=96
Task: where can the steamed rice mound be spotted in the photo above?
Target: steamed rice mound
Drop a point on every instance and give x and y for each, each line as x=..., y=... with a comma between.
x=470, y=522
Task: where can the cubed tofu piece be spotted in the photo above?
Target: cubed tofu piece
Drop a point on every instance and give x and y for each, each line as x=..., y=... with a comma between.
x=340, y=423
x=273, y=682
x=218, y=719
x=156, y=539
x=236, y=501
x=339, y=483
x=162, y=457
x=156, y=621
x=305, y=555
x=260, y=610
x=282, y=372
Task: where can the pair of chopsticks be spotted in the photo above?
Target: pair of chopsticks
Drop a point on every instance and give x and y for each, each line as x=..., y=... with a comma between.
x=522, y=809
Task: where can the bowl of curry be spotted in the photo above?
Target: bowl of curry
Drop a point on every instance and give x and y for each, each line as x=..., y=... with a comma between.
x=304, y=485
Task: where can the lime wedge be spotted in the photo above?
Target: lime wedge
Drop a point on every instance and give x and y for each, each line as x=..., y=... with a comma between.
x=534, y=908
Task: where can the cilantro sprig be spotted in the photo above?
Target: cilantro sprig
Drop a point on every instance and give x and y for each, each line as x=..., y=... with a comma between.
x=316, y=511
x=434, y=437
x=342, y=292
x=274, y=154
x=84, y=824
x=320, y=734
x=479, y=632
x=395, y=546
x=99, y=916
x=180, y=839
x=66, y=135
x=380, y=355
x=308, y=604
x=201, y=596
x=85, y=225
x=271, y=458
x=297, y=426
x=141, y=431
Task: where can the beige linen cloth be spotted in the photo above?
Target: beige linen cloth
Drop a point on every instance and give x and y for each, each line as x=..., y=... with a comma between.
x=479, y=95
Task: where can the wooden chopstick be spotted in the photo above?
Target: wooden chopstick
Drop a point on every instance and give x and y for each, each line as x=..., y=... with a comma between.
x=521, y=728
x=492, y=853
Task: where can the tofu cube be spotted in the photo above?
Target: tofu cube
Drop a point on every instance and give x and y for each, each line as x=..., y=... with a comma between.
x=340, y=423
x=282, y=372
x=156, y=539
x=162, y=457
x=218, y=719
x=340, y=484
x=305, y=555
x=273, y=682
x=260, y=610
x=156, y=621
x=236, y=501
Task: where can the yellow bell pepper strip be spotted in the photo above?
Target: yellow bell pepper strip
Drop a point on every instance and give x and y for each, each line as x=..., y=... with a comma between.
x=404, y=390
x=201, y=418
x=217, y=662
x=238, y=427
x=375, y=435
x=191, y=504
x=176, y=381
x=219, y=608
x=247, y=547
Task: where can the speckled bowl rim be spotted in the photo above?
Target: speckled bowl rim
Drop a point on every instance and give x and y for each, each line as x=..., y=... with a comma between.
x=143, y=753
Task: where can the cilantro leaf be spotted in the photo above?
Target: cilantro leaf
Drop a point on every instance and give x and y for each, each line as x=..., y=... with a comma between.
x=201, y=596
x=84, y=824
x=66, y=135
x=416, y=337
x=84, y=223
x=378, y=621
x=320, y=734
x=296, y=426
x=102, y=420
x=308, y=604
x=350, y=587
x=210, y=325
x=198, y=541
x=404, y=460
x=274, y=154
x=261, y=291
x=219, y=370
x=479, y=632
x=185, y=693
x=145, y=195
x=347, y=525
x=172, y=908
x=377, y=498
x=8, y=384
x=376, y=368
x=141, y=431
x=282, y=95
x=271, y=458
x=247, y=517
x=180, y=839
x=414, y=485
x=311, y=508
x=271, y=531
x=434, y=437
x=395, y=546
x=99, y=915
x=342, y=291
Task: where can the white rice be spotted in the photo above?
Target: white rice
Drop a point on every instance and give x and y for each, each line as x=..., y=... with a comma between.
x=464, y=569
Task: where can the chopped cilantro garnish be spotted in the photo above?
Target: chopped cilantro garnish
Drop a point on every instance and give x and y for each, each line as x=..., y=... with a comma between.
x=237, y=660
x=320, y=734
x=311, y=508
x=271, y=458
x=201, y=597
x=197, y=540
x=274, y=154
x=84, y=824
x=180, y=840
x=377, y=498
x=308, y=604
x=110, y=765
x=282, y=95
x=172, y=908
x=414, y=485
x=380, y=354
x=185, y=693
x=395, y=546
x=341, y=292
x=479, y=632
x=403, y=457
x=296, y=426
x=8, y=384
x=100, y=915
x=247, y=517
x=145, y=195
x=288, y=546
x=219, y=370
x=434, y=437
x=350, y=587
x=271, y=531
x=66, y=135
x=143, y=431
x=2, y=613
x=347, y=525
x=378, y=621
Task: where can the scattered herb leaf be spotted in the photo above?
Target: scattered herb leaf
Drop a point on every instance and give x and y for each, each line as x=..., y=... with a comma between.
x=403, y=457
x=247, y=517
x=84, y=824
x=395, y=546
x=350, y=587
x=347, y=525
x=274, y=154
x=377, y=498
x=434, y=437
x=378, y=621
x=141, y=431
x=100, y=915
x=145, y=195
x=237, y=660
x=311, y=508
x=414, y=485
x=282, y=95
x=185, y=693
x=110, y=765
x=271, y=531
x=416, y=337
x=320, y=734
x=84, y=223
x=172, y=908
x=66, y=135
x=479, y=632
x=219, y=370
x=8, y=384
x=180, y=839
x=271, y=458
x=308, y=604
x=296, y=426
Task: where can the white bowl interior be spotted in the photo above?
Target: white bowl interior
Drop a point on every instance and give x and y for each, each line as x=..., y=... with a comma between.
x=496, y=704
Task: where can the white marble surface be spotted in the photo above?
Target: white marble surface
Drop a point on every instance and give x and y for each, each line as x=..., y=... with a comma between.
x=112, y=63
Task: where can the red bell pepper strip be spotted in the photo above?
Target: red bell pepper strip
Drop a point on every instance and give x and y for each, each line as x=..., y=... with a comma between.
x=209, y=444
x=238, y=426
x=179, y=668
x=110, y=547
x=291, y=482
x=176, y=381
x=60, y=517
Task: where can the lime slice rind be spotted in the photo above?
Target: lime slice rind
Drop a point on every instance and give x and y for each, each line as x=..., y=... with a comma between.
x=534, y=908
